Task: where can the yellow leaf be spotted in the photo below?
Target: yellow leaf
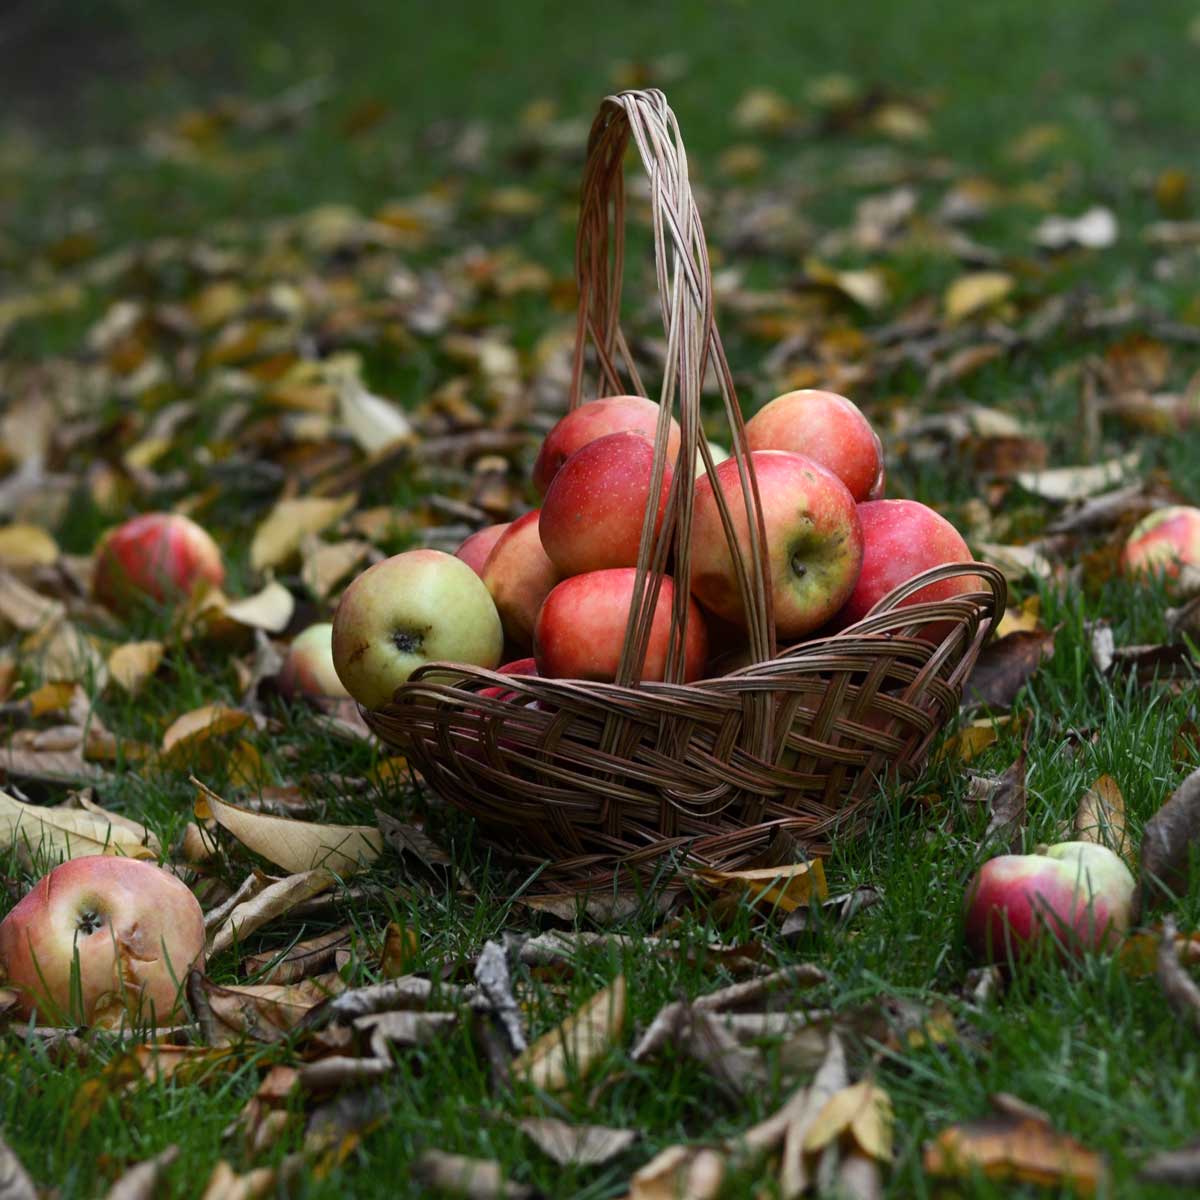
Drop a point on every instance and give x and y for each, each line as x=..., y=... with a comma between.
x=787, y=888
x=270, y=610
x=65, y=653
x=51, y=697
x=1021, y=620
x=864, y=1111
x=867, y=286
x=195, y=728
x=400, y=946
x=1101, y=817
x=61, y=833
x=27, y=546
x=132, y=664
x=23, y=608
x=326, y=564
x=296, y=845
x=680, y=1173
x=977, y=290
x=278, y=538
x=572, y=1049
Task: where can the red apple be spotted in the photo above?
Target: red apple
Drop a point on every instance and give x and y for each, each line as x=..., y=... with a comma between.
x=477, y=546
x=134, y=929
x=581, y=629
x=814, y=543
x=308, y=668
x=593, y=511
x=827, y=428
x=417, y=607
x=611, y=414
x=158, y=556
x=901, y=539
x=519, y=576
x=1167, y=542
x=1075, y=894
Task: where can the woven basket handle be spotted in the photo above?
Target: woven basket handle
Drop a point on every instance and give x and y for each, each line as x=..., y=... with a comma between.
x=685, y=294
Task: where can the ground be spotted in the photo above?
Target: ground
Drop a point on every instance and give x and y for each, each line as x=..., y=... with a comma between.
x=198, y=205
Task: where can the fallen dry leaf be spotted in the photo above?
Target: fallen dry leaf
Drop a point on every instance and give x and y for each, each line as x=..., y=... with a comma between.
x=71, y=833
x=145, y=1181
x=270, y=609
x=1006, y=665
x=1179, y=1168
x=191, y=730
x=27, y=546
x=1167, y=843
x=24, y=609
x=278, y=539
x=569, y=1051
x=1006, y=800
x=495, y=982
x=578, y=1145
x=293, y=845
x=863, y=1112
x=373, y=422
x=273, y=901
x=1101, y=817
x=976, y=291
x=785, y=888
x=300, y=961
x=1180, y=989
x=263, y=1012
x=971, y=740
x=680, y=1173
x=15, y=1183
x=326, y=564
x=130, y=666
x=468, y=1178
x=1095, y=229
x=1077, y=483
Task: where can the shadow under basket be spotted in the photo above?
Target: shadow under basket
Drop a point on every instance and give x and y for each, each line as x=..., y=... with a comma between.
x=602, y=782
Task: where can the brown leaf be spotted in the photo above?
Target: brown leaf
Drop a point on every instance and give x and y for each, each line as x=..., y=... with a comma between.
x=1167, y=843
x=23, y=608
x=1006, y=800
x=145, y=1181
x=15, y=1183
x=495, y=982
x=1006, y=665
x=278, y=539
x=1180, y=1168
x=293, y=845
x=469, y=1178
x=785, y=888
x=680, y=1173
x=577, y=1145
x=326, y=564
x=191, y=730
x=273, y=901
x=61, y=833
x=1077, y=483
x=1180, y=989
x=1101, y=817
x=573, y=1048
x=300, y=961
x=226, y=1184
x=134, y=663
x=264, y=1012
x=1015, y=1149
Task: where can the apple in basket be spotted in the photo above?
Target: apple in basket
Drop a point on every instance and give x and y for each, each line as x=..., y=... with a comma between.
x=477, y=546
x=102, y=940
x=1166, y=541
x=591, y=518
x=520, y=666
x=581, y=629
x=827, y=428
x=813, y=545
x=162, y=557
x=519, y=576
x=308, y=668
x=1075, y=894
x=901, y=539
x=413, y=608
x=610, y=414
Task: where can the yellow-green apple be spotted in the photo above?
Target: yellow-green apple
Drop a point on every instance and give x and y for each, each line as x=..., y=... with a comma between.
x=591, y=518
x=827, y=428
x=1076, y=895
x=610, y=414
x=102, y=940
x=158, y=556
x=519, y=576
x=581, y=629
x=413, y=608
x=901, y=539
x=308, y=668
x=814, y=542
x=477, y=546
x=1166, y=542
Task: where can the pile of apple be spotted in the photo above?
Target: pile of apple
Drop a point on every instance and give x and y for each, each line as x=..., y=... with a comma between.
x=549, y=594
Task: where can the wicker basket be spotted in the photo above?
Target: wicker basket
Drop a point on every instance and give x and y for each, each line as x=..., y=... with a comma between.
x=608, y=780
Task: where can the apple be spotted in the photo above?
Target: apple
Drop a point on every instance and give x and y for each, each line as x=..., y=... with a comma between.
x=413, y=608
x=610, y=414
x=827, y=428
x=901, y=539
x=591, y=518
x=519, y=576
x=308, y=668
x=477, y=546
x=1077, y=895
x=581, y=629
x=134, y=930
x=814, y=542
x=158, y=556
x=1167, y=542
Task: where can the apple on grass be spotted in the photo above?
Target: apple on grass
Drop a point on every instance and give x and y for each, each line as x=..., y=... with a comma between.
x=827, y=428
x=161, y=557
x=1076, y=895
x=1166, y=541
x=813, y=545
x=591, y=518
x=902, y=538
x=308, y=668
x=519, y=576
x=595, y=419
x=413, y=608
x=102, y=941
x=581, y=629
x=477, y=546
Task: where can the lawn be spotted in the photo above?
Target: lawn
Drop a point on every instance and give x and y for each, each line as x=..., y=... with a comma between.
x=204, y=212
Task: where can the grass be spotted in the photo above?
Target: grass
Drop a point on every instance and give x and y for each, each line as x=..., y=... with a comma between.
x=1093, y=1045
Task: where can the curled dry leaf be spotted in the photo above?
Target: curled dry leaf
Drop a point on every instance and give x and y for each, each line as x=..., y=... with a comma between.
x=15, y=1183
x=341, y=1071
x=278, y=539
x=577, y=1145
x=573, y=1048
x=1006, y=665
x=1101, y=817
x=226, y=1184
x=130, y=666
x=269, y=610
x=495, y=982
x=27, y=546
x=290, y=844
x=863, y=1112
x=326, y=564
x=373, y=422
x=1167, y=842
x=1077, y=483
x=1180, y=989
x=467, y=1178
x=273, y=901
x=145, y=1181
x=72, y=833
x=680, y=1173
x=1006, y=800
x=785, y=888
x=396, y=995
x=191, y=730
x=24, y=609
x=262, y=1012
x=248, y=888
x=300, y=961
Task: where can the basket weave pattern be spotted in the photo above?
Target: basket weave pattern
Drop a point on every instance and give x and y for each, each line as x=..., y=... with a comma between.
x=604, y=778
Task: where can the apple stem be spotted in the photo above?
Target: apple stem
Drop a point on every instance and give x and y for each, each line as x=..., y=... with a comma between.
x=89, y=922
x=799, y=568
